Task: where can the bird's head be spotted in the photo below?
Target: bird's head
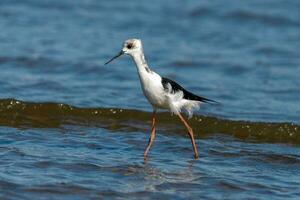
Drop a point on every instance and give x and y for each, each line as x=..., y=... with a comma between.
x=130, y=47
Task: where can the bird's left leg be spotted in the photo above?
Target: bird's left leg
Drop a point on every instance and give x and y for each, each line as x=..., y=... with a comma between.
x=152, y=134
x=191, y=134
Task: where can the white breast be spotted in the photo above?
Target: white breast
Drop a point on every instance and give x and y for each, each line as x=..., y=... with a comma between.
x=153, y=89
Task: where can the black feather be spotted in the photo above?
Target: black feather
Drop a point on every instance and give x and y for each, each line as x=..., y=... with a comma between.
x=186, y=94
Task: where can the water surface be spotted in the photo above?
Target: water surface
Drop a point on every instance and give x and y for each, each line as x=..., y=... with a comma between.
x=72, y=128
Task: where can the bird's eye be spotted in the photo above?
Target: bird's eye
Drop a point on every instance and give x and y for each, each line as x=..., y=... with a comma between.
x=129, y=46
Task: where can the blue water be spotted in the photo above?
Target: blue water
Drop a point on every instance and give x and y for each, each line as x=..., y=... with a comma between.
x=244, y=54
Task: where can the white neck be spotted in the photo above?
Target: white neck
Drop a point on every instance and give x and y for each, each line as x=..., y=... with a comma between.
x=140, y=62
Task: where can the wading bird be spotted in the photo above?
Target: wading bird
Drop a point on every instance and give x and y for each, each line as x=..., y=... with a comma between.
x=161, y=92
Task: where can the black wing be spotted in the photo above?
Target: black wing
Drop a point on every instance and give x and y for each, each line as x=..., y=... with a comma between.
x=186, y=94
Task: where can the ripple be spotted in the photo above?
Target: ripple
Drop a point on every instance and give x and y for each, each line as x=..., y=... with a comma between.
x=199, y=12
x=6, y=185
x=281, y=159
x=226, y=185
x=264, y=18
x=30, y=61
x=82, y=167
x=62, y=188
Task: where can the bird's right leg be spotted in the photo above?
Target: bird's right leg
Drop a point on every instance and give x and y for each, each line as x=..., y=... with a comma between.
x=191, y=134
x=152, y=135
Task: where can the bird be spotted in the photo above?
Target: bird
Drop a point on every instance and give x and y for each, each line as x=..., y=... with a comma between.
x=161, y=92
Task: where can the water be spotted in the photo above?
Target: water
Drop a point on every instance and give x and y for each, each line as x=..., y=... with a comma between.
x=71, y=128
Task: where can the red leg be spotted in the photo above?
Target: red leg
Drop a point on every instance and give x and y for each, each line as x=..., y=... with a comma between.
x=191, y=134
x=152, y=135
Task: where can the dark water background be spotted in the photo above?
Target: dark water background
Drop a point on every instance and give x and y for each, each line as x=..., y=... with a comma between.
x=72, y=128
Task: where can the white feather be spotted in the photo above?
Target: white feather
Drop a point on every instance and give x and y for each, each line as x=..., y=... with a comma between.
x=177, y=103
x=156, y=94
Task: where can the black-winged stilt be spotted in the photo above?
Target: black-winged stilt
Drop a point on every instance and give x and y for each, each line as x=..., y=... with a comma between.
x=161, y=92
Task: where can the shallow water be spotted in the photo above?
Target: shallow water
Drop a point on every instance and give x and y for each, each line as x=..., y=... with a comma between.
x=71, y=128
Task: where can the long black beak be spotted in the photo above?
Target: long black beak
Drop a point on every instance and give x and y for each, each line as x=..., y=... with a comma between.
x=119, y=54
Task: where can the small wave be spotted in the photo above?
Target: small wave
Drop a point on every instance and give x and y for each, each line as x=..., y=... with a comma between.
x=264, y=18
x=230, y=186
x=30, y=61
x=274, y=51
x=6, y=185
x=54, y=115
x=281, y=159
x=189, y=63
x=200, y=12
x=62, y=188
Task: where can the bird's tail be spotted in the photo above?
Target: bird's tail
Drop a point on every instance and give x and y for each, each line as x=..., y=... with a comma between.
x=191, y=96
